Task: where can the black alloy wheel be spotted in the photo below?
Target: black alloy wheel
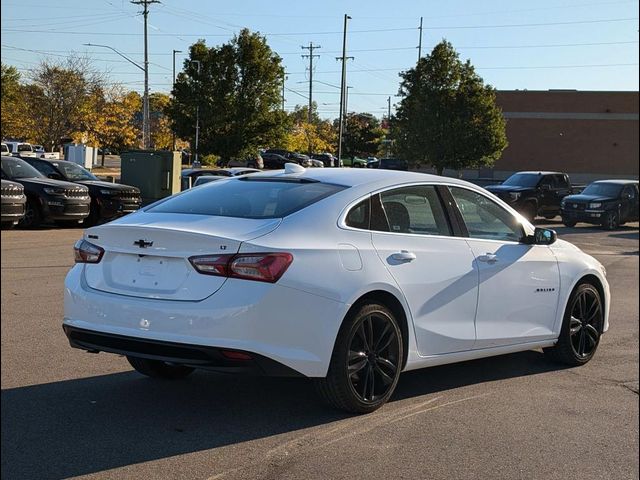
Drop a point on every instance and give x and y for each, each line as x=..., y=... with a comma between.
x=611, y=221
x=32, y=216
x=366, y=362
x=530, y=211
x=583, y=323
x=372, y=363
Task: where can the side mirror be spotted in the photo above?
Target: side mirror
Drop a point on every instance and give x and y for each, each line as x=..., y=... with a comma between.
x=541, y=236
x=55, y=176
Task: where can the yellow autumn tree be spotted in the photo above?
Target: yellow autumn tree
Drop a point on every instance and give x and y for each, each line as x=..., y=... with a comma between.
x=110, y=120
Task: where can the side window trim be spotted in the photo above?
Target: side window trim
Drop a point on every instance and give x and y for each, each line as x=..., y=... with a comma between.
x=452, y=212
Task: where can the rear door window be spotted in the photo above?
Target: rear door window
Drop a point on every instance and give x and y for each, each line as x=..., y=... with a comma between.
x=416, y=210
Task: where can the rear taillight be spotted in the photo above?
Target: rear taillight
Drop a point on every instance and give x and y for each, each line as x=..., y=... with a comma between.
x=85, y=252
x=262, y=267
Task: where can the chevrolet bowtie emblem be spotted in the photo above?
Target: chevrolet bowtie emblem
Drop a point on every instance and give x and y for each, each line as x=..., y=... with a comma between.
x=143, y=243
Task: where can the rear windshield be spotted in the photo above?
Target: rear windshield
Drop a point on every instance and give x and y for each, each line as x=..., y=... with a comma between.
x=248, y=198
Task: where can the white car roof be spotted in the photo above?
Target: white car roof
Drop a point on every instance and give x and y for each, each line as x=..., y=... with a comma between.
x=352, y=177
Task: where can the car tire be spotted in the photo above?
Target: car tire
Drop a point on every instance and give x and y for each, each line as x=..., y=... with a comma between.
x=7, y=225
x=581, y=327
x=550, y=217
x=611, y=221
x=569, y=223
x=158, y=369
x=530, y=211
x=368, y=349
x=32, y=215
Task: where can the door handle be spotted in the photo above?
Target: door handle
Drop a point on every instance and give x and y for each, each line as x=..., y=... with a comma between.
x=404, y=256
x=488, y=258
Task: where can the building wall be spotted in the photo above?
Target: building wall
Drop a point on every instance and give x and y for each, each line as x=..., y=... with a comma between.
x=592, y=134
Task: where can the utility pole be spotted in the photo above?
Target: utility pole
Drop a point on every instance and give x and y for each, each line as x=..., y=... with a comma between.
x=311, y=47
x=146, y=131
x=284, y=79
x=197, y=115
x=174, y=84
x=389, y=109
x=342, y=85
x=420, y=41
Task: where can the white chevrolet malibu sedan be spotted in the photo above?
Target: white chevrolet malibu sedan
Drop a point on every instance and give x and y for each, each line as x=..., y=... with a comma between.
x=346, y=276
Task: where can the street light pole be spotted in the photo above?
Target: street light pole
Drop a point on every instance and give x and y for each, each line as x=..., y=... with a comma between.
x=174, y=84
x=145, y=101
x=342, y=86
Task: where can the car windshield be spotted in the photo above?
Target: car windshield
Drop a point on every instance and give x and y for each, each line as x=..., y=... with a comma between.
x=16, y=168
x=248, y=197
x=206, y=179
x=603, y=189
x=74, y=172
x=25, y=147
x=523, y=180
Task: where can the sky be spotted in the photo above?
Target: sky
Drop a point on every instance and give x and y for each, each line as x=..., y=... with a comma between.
x=541, y=45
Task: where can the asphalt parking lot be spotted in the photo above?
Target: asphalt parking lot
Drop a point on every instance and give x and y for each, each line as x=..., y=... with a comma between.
x=66, y=413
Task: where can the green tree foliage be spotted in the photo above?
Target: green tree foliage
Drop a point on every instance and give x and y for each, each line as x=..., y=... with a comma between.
x=447, y=117
x=160, y=126
x=13, y=106
x=236, y=88
x=362, y=135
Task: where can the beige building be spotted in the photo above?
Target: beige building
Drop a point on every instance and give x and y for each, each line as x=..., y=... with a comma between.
x=586, y=134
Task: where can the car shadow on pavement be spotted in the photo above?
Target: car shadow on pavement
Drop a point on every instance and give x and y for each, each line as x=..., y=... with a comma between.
x=77, y=427
x=561, y=229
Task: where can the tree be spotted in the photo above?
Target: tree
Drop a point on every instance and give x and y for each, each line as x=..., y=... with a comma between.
x=57, y=98
x=13, y=107
x=235, y=88
x=314, y=137
x=109, y=119
x=160, y=127
x=362, y=135
x=447, y=117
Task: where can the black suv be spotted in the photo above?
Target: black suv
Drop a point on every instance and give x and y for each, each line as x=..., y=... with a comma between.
x=47, y=199
x=108, y=200
x=609, y=203
x=13, y=203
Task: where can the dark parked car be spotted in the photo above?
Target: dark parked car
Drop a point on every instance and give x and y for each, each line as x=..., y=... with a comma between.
x=388, y=164
x=108, y=200
x=609, y=203
x=275, y=161
x=47, y=199
x=535, y=193
x=291, y=157
x=13, y=203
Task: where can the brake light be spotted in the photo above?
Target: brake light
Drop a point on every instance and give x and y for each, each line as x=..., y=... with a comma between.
x=85, y=252
x=261, y=267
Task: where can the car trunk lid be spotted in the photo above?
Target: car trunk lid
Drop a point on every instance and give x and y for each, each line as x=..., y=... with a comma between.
x=150, y=259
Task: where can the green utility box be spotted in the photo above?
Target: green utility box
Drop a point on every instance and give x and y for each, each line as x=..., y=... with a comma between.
x=155, y=172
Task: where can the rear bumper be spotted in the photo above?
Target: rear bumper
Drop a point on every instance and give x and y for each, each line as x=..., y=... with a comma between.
x=287, y=326
x=210, y=358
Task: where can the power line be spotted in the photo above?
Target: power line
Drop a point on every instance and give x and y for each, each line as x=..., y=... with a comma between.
x=335, y=32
